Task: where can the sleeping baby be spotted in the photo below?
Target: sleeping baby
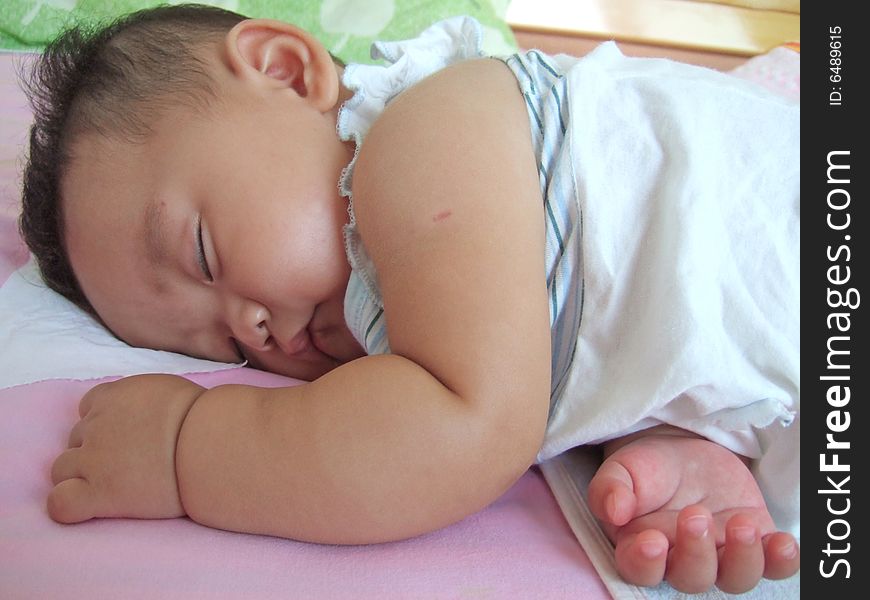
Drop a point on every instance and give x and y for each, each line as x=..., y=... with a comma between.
x=477, y=263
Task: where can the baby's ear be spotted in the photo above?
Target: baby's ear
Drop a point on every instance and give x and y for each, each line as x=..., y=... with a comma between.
x=281, y=55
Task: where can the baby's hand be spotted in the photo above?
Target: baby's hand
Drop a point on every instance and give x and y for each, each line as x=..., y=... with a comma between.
x=689, y=511
x=121, y=456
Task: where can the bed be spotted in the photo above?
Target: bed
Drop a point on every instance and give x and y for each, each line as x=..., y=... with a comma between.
x=524, y=545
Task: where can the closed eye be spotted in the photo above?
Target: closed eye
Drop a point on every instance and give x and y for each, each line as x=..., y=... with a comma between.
x=200, y=252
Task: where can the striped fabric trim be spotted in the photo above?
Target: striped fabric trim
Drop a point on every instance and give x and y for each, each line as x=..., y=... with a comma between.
x=545, y=90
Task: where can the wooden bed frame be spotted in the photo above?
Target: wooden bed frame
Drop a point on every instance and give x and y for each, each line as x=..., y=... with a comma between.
x=712, y=34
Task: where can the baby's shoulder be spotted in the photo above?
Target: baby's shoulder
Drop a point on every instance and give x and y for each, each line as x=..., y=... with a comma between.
x=455, y=148
x=473, y=110
x=455, y=97
x=486, y=81
x=446, y=95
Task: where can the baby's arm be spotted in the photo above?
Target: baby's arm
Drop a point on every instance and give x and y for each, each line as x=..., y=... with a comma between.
x=682, y=508
x=376, y=450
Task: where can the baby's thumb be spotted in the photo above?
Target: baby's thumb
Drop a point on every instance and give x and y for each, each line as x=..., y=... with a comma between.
x=611, y=494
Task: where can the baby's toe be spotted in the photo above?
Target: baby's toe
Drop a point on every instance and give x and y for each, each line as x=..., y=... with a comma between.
x=782, y=555
x=741, y=559
x=641, y=558
x=693, y=563
x=611, y=494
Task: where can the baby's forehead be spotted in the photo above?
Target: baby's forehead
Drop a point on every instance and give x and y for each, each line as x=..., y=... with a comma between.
x=101, y=172
x=89, y=154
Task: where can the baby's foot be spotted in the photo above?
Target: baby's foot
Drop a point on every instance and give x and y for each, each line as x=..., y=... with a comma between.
x=687, y=510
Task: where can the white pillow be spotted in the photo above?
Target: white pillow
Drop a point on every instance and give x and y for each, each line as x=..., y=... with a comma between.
x=45, y=336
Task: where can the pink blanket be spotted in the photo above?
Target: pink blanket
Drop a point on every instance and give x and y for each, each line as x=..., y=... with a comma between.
x=519, y=547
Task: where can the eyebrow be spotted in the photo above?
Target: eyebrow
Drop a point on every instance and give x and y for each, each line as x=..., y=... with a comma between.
x=154, y=231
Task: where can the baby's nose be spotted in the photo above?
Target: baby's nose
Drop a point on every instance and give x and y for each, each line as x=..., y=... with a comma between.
x=249, y=322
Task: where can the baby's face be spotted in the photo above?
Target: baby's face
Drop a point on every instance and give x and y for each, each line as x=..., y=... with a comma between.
x=220, y=234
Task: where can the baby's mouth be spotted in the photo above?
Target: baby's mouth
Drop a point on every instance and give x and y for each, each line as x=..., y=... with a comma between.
x=300, y=357
x=298, y=345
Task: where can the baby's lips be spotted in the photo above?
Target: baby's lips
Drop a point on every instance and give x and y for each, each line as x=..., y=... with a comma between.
x=299, y=344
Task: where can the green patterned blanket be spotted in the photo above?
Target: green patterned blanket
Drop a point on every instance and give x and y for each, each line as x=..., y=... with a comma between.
x=346, y=27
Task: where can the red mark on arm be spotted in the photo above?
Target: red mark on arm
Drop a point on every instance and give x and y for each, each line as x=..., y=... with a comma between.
x=442, y=215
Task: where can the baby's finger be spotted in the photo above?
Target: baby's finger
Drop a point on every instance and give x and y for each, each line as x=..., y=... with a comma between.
x=76, y=435
x=68, y=465
x=641, y=558
x=741, y=559
x=70, y=501
x=86, y=402
x=693, y=563
x=611, y=494
x=782, y=555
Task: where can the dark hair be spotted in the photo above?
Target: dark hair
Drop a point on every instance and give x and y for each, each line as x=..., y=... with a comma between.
x=115, y=81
